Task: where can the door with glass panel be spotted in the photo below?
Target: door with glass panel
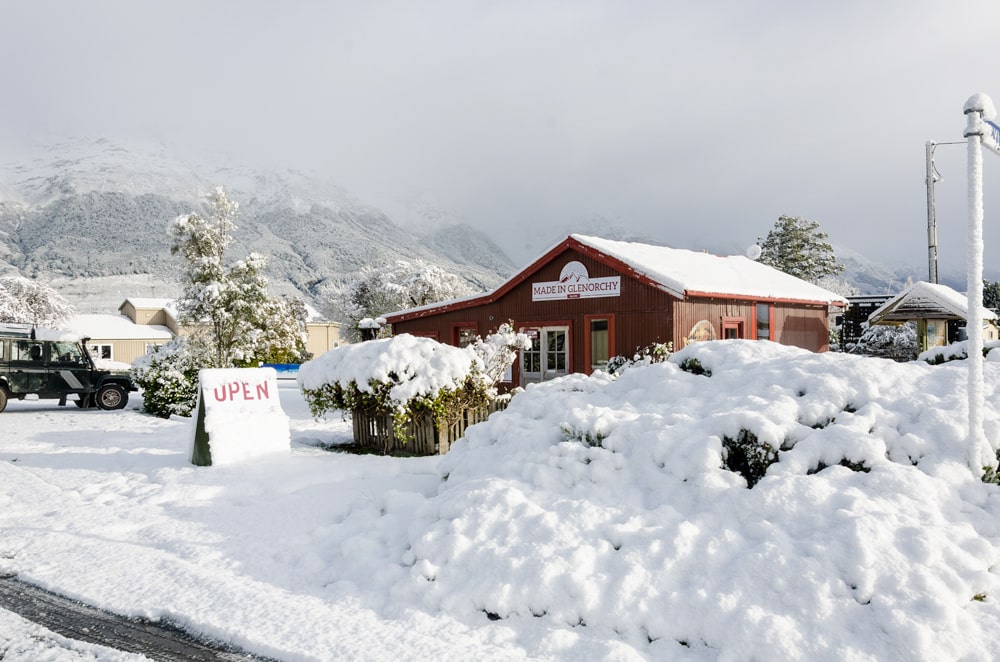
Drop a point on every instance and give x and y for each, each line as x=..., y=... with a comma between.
x=549, y=354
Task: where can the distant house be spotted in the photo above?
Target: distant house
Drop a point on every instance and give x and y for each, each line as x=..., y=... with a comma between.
x=933, y=307
x=322, y=336
x=854, y=319
x=588, y=299
x=117, y=338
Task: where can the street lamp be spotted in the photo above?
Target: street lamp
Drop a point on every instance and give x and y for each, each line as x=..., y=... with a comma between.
x=933, y=176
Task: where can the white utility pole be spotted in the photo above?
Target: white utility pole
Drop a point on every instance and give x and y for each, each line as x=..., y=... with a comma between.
x=980, y=133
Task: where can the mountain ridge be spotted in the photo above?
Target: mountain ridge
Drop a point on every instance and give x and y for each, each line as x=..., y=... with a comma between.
x=95, y=210
x=92, y=217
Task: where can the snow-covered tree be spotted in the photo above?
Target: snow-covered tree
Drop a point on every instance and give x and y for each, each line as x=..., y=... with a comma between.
x=29, y=301
x=797, y=246
x=377, y=291
x=229, y=307
x=898, y=342
x=991, y=294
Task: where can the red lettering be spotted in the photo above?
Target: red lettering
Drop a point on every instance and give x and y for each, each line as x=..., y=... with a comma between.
x=220, y=393
x=234, y=388
x=246, y=392
x=262, y=392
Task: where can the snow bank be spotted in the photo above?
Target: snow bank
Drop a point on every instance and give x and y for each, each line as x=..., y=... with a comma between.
x=601, y=508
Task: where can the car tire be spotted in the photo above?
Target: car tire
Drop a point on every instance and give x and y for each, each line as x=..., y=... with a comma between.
x=3, y=398
x=112, y=396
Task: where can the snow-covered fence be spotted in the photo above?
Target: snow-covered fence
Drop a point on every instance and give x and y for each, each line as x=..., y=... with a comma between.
x=425, y=435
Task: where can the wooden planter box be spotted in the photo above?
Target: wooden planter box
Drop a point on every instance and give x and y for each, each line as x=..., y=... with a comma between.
x=427, y=437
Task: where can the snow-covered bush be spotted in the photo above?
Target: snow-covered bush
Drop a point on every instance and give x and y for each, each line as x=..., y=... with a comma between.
x=406, y=375
x=168, y=377
x=958, y=351
x=654, y=353
x=897, y=342
x=748, y=456
x=499, y=350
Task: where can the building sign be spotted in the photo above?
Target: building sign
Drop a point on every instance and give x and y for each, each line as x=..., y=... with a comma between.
x=575, y=283
x=991, y=136
x=239, y=416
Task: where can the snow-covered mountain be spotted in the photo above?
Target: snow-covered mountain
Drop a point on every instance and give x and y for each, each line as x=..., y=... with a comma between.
x=91, y=216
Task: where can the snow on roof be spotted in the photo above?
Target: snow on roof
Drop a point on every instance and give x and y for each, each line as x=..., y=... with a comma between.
x=682, y=271
x=116, y=327
x=924, y=300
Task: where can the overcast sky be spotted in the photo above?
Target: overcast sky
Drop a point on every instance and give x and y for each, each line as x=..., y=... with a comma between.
x=695, y=124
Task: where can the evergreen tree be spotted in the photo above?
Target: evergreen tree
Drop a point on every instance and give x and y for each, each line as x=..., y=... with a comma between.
x=991, y=294
x=797, y=247
x=229, y=308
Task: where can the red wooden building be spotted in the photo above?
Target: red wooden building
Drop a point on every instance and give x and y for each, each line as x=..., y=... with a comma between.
x=588, y=299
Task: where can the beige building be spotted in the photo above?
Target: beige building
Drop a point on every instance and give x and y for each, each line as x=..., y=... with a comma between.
x=321, y=336
x=117, y=338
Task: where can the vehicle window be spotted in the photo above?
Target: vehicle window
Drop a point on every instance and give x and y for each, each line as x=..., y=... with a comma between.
x=66, y=352
x=29, y=350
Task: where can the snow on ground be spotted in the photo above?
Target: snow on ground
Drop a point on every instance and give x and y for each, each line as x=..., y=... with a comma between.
x=591, y=520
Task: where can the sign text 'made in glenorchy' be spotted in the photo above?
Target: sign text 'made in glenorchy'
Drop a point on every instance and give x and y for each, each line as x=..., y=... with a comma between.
x=575, y=283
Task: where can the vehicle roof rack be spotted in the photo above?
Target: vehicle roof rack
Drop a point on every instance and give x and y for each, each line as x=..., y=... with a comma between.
x=21, y=329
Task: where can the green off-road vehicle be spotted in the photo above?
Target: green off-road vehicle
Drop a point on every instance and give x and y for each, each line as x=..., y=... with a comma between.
x=53, y=365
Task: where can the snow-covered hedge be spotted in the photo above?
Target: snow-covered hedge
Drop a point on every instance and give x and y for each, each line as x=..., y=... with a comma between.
x=402, y=375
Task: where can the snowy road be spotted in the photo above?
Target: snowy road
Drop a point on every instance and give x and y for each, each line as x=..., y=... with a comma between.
x=104, y=508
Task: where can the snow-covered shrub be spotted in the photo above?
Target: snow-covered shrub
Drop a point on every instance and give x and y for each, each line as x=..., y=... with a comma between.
x=499, y=350
x=748, y=456
x=405, y=376
x=958, y=351
x=695, y=367
x=654, y=353
x=897, y=342
x=168, y=377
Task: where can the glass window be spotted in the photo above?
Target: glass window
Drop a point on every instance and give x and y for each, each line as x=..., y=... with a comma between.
x=66, y=352
x=763, y=321
x=599, y=344
x=465, y=336
x=532, y=358
x=29, y=351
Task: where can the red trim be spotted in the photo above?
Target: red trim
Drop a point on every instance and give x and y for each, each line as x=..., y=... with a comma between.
x=587, y=365
x=732, y=297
